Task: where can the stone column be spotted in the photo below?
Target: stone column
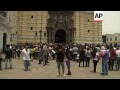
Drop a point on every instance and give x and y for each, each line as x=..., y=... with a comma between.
x=72, y=33
x=69, y=35
x=51, y=36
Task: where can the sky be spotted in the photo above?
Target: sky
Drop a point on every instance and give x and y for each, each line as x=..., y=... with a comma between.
x=111, y=22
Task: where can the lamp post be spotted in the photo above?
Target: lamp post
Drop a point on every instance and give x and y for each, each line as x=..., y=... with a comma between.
x=41, y=27
x=40, y=35
x=35, y=36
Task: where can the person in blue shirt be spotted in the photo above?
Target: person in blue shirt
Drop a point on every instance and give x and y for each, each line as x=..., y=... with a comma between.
x=105, y=59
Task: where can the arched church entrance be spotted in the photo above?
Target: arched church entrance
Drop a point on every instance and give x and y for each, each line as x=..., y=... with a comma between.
x=60, y=36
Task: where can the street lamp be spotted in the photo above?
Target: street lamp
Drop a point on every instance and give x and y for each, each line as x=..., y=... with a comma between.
x=35, y=36
x=41, y=27
x=40, y=35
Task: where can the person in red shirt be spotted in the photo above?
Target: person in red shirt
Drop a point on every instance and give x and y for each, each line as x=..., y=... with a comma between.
x=112, y=59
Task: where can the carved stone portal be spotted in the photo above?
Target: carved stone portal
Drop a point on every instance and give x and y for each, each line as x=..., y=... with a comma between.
x=62, y=21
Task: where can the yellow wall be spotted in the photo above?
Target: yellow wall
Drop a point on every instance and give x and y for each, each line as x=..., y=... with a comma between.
x=24, y=23
x=13, y=22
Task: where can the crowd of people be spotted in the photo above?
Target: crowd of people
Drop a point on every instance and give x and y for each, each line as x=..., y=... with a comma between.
x=81, y=53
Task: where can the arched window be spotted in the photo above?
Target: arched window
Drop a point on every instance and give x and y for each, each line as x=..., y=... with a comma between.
x=31, y=28
x=31, y=16
x=88, y=31
x=88, y=20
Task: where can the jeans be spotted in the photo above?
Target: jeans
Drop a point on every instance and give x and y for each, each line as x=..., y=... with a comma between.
x=53, y=55
x=81, y=59
x=68, y=66
x=26, y=63
x=60, y=64
x=45, y=60
x=111, y=64
x=74, y=56
x=117, y=63
x=40, y=58
x=14, y=54
x=10, y=62
x=87, y=61
x=95, y=65
x=104, y=67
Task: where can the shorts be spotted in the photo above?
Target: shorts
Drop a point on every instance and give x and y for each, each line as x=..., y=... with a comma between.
x=60, y=64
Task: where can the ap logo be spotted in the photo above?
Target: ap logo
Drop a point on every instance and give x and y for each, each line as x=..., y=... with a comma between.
x=98, y=16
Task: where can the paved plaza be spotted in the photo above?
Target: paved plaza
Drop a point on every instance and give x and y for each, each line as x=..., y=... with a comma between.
x=38, y=71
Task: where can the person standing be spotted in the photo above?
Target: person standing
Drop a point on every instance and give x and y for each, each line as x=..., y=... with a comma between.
x=53, y=53
x=26, y=57
x=88, y=55
x=40, y=54
x=60, y=61
x=112, y=59
x=95, y=56
x=45, y=55
x=8, y=57
x=118, y=59
x=18, y=52
x=75, y=52
x=81, y=56
x=68, y=63
x=105, y=59
x=14, y=51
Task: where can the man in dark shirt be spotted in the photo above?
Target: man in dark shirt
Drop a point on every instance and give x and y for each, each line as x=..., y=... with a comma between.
x=8, y=57
x=60, y=61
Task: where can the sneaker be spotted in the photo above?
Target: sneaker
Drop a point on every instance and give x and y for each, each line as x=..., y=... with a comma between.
x=11, y=68
x=103, y=74
x=6, y=68
x=70, y=73
x=64, y=75
x=106, y=73
x=58, y=76
x=26, y=70
x=67, y=74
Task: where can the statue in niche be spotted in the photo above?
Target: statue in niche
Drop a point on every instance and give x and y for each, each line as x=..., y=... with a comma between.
x=49, y=22
x=60, y=19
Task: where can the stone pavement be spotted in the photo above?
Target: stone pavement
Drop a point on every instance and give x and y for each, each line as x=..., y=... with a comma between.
x=38, y=71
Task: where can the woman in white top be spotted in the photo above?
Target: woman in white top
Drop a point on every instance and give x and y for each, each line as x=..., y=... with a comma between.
x=95, y=56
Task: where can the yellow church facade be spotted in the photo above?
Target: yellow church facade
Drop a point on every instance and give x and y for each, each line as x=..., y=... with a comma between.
x=54, y=27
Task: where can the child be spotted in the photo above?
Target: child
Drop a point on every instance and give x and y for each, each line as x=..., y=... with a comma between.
x=68, y=58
